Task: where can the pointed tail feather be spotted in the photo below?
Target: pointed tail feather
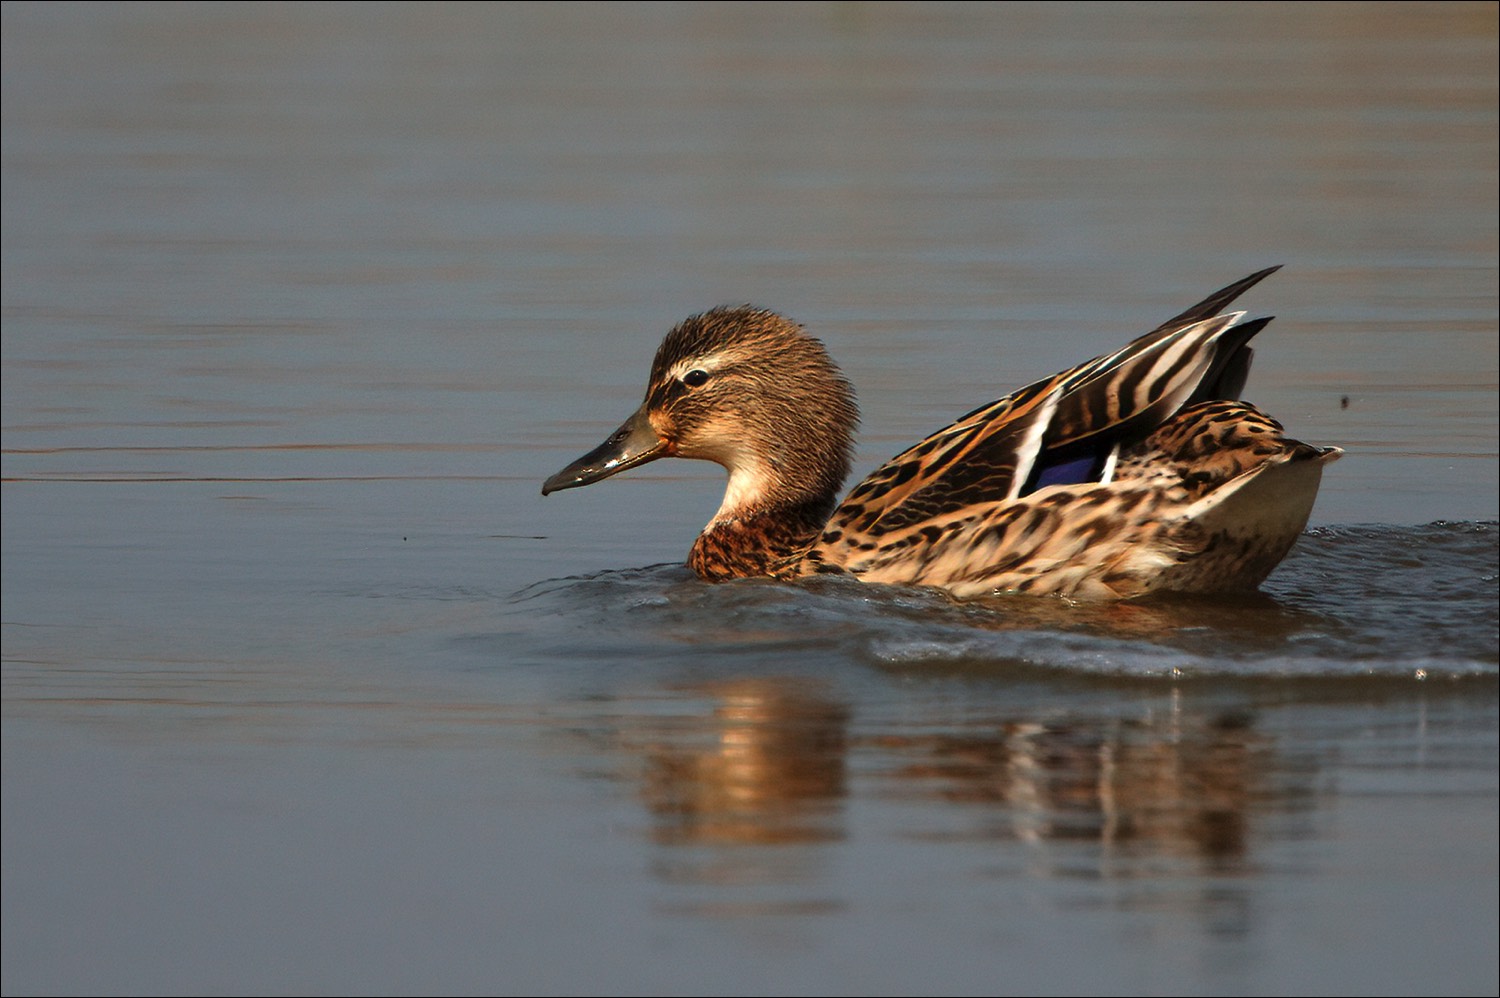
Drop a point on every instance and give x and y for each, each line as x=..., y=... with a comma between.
x=1216, y=302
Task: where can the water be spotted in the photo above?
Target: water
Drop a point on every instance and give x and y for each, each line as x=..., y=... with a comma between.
x=306, y=689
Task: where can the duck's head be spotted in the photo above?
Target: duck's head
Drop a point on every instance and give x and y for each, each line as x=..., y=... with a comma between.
x=747, y=389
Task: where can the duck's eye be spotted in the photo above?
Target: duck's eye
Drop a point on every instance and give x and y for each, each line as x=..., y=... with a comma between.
x=695, y=378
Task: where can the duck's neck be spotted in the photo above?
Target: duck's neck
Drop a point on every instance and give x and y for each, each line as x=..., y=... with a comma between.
x=759, y=540
x=776, y=503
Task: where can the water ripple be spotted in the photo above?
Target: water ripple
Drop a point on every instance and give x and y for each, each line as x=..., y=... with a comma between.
x=1356, y=601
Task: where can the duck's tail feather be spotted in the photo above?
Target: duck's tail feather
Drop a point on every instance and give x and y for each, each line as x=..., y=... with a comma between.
x=1218, y=301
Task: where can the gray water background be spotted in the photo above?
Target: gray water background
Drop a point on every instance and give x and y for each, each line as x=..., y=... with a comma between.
x=307, y=690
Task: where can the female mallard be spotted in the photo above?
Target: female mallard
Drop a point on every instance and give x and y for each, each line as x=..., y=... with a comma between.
x=1131, y=473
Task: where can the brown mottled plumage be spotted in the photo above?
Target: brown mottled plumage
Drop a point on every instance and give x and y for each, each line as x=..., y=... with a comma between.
x=1131, y=473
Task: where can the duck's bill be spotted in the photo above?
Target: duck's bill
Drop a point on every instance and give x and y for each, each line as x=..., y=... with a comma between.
x=634, y=443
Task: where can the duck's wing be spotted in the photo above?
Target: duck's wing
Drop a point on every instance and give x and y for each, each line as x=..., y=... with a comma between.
x=1210, y=502
x=1063, y=429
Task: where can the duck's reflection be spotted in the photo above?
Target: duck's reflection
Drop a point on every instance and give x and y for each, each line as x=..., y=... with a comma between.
x=1171, y=788
x=764, y=766
x=769, y=762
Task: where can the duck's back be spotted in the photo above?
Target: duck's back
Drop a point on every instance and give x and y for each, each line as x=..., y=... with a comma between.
x=1179, y=515
x=1132, y=472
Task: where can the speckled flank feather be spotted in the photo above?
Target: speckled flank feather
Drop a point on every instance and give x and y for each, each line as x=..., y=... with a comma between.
x=1131, y=473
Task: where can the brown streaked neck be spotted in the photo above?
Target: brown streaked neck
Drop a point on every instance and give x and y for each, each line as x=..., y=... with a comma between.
x=758, y=542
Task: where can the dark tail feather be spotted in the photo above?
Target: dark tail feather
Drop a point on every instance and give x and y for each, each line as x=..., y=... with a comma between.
x=1226, y=378
x=1215, y=303
x=1230, y=384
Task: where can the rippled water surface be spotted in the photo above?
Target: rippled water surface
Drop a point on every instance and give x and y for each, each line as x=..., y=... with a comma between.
x=1396, y=602
x=307, y=690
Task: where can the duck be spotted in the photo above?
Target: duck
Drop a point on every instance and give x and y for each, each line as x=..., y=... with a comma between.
x=1137, y=472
